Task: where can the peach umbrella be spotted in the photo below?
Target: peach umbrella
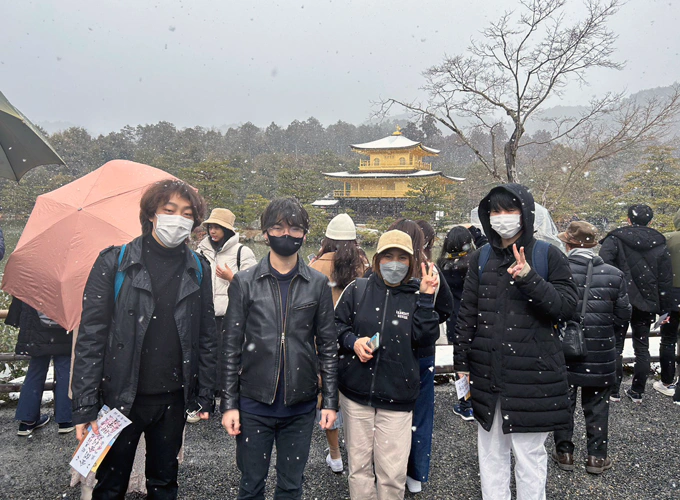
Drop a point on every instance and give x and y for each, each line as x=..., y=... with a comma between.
x=67, y=229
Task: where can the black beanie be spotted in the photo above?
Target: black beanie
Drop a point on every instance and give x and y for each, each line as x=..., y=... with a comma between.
x=640, y=214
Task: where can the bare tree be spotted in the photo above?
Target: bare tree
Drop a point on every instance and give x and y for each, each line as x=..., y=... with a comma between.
x=521, y=60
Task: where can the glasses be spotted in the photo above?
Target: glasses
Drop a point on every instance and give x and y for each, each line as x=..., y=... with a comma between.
x=279, y=230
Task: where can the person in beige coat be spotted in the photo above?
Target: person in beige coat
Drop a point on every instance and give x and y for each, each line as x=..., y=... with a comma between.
x=342, y=260
x=227, y=256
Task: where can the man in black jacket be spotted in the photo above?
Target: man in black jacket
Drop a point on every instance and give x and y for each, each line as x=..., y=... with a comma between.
x=506, y=341
x=640, y=252
x=607, y=307
x=146, y=343
x=279, y=333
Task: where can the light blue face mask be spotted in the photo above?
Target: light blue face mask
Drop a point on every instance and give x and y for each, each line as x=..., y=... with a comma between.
x=393, y=272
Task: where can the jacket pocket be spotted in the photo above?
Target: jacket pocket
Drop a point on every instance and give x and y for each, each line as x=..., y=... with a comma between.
x=354, y=374
x=394, y=383
x=305, y=305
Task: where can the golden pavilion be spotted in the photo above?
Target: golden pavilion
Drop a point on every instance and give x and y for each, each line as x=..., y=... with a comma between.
x=394, y=163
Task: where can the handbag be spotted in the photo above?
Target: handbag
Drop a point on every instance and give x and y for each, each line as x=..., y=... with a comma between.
x=571, y=332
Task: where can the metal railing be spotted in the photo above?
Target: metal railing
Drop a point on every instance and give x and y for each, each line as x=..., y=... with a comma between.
x=392, y=165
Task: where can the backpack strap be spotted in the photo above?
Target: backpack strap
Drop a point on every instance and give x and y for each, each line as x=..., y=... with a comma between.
x=238, y=257
x=361, y=284
x=120, y=275
x=484, y=254
x=539, y=258
x=199, y=273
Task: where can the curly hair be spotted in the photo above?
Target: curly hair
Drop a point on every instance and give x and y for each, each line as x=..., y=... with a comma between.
x=160, y=192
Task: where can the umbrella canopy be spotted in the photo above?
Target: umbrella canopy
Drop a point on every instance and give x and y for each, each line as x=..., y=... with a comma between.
x=67, y=229
x=22, y=146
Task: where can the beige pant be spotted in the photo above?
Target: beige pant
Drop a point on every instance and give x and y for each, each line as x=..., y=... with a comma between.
x=380, y=437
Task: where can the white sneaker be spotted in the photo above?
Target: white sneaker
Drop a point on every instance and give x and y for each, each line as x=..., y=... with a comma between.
x=334, y=463
x=666, y=390
x=413, y=485
x=192, y=417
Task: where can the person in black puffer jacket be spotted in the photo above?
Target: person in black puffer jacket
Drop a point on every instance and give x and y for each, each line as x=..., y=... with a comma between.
x=507, y=342
x=607, y=307
x=379, y=384
x=43, y=340
x=454, y=263
x=641, y=253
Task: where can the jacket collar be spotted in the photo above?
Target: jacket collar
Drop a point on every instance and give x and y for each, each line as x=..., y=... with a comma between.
x=262, y=268
x=133, y=256
x=205, y=244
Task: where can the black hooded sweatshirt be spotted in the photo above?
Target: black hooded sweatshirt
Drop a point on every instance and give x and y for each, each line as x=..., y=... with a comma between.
x=406, y=321
x=641, y=253
x=506, y=336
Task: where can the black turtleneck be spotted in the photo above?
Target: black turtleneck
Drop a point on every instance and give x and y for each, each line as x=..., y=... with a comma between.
x=160, y=371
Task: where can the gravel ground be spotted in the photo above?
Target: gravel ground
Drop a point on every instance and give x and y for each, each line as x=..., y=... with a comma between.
x=643, y=446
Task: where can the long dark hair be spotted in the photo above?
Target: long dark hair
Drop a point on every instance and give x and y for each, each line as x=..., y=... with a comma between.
x=349, y=261
x=456, y=250
x=429, y=235
x=417, y=239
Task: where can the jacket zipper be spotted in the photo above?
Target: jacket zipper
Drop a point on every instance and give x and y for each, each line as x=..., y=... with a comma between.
x=283, y=334
x=283, y=338
x=377, y=357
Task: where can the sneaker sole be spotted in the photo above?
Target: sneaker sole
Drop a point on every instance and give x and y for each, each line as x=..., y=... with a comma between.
x=614, y=400
x=30, y=431
x=465, y=417
x=335, y=469
x=66, y=430
x=665, y=391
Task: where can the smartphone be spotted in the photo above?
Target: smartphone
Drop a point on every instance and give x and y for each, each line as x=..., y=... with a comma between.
x=374, y=343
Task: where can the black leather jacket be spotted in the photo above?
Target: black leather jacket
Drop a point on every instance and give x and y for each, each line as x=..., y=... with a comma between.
x=254, y=337
x=110, y=337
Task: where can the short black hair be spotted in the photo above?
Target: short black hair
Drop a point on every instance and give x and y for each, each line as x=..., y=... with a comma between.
x=288, y=210
x=502, y=199
x=159, y=193
x=640, y=214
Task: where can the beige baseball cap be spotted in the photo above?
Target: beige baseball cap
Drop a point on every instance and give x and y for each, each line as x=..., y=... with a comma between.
x=395, y=239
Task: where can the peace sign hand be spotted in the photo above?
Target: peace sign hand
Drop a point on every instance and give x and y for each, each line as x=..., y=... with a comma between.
x=520, y=261
x=429, y=280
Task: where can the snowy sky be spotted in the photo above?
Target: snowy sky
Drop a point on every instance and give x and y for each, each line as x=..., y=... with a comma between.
x=109, y=63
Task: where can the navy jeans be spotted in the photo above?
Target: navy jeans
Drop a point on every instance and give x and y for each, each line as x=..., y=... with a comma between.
x=293, y=437
x=423, y=422
x=640, y=324
x=28, y=409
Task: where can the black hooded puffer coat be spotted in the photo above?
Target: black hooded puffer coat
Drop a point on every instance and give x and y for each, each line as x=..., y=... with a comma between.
x=641, y=253
x=506, y=336
x=607, y=306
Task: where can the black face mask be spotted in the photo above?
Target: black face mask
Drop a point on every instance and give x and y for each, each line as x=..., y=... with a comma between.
x=285, y=246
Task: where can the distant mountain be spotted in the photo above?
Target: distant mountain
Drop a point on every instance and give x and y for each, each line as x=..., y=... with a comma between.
x=559, y=112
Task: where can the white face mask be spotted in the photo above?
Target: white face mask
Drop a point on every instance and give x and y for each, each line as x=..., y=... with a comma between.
x=173, y=229
x=506, y=225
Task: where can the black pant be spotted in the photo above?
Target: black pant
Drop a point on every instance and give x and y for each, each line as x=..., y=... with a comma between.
x=595, y=403
x=219, y=320
x=669, y=338
x=162, y=426
x=293, y=436
x=640, y=324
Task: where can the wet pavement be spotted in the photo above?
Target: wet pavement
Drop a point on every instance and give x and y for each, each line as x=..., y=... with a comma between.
x=644, y=444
